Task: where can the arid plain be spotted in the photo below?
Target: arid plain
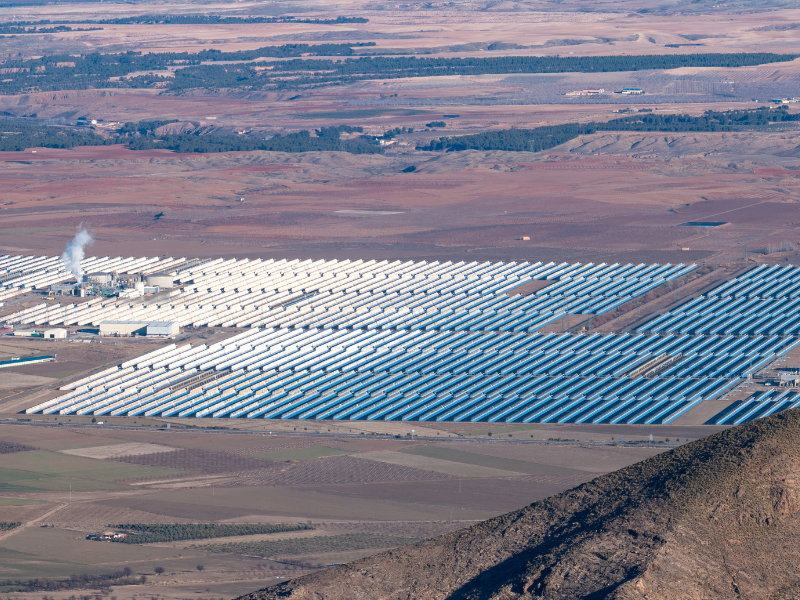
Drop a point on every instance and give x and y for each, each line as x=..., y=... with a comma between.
x=634, y=189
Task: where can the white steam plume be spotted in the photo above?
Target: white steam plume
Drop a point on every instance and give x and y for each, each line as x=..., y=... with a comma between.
x=74, y=253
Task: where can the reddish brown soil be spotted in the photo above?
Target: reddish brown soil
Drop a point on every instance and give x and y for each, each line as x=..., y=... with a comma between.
x=453, y=203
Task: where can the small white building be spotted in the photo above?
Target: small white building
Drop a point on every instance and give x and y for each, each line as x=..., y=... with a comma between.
x=55, y=334
x=163, y=328
x=148, y=328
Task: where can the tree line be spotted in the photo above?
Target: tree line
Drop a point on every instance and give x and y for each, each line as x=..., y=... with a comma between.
x=299, y=73
x=96, y=70
x=326, y=543
x=69, y=72
x=11, y=447
x=549, y=136
x=17, y=135
x=192, y=20
x=122, y=577
x=8, y=29
x=300, y=141
x=148, y=533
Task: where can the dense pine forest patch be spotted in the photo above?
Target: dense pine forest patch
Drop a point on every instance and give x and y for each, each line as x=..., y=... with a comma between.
x=549, y=136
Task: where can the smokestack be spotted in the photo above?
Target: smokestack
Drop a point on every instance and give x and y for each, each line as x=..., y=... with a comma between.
x=74, y=254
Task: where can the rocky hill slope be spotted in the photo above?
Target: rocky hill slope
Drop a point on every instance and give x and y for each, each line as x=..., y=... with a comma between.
x=717, y=518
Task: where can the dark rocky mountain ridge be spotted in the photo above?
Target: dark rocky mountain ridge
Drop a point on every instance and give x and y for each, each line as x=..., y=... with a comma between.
x=717, y=518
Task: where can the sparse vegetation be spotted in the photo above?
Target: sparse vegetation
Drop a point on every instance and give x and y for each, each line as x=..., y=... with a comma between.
x=9, y=525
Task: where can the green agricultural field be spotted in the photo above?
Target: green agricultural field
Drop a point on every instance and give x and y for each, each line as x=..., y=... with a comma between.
x=44, y=470
x=19, y=501
x=484, y=460
x=302, y=453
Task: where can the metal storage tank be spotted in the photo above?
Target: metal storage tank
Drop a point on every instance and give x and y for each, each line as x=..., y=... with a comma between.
x=160, y=280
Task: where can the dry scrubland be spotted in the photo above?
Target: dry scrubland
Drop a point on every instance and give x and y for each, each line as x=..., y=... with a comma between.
x=600, y=197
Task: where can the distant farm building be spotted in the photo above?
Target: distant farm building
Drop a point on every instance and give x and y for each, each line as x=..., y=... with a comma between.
x=587, y=92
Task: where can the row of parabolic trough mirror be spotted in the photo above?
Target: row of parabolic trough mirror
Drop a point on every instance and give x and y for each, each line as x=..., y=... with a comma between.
x=371, y=294
x=20, y=274
x=419, y=375
x=431, y=341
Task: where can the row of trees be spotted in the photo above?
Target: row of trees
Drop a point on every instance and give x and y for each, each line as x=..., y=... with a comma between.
x=148, y=533
x=309, y=545
x=97, y=70
x=83, y=581
x=299, y=73
x=17, y=135
x=18, y=29
x=301, y=141
x=195, y=20
x=69, y=72
x=11, y=447
x=549, y=136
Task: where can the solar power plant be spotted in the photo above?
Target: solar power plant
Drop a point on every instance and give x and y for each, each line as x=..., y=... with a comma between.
x=764, y=301
x=423, y=376
x=370, y=295
x=23, y=273
x=403, y=341
x=760, y=404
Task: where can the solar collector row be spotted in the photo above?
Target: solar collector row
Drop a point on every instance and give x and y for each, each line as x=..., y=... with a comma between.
x=387, y=357
x=264, y=293
x=432, y=397
x=758, y=405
